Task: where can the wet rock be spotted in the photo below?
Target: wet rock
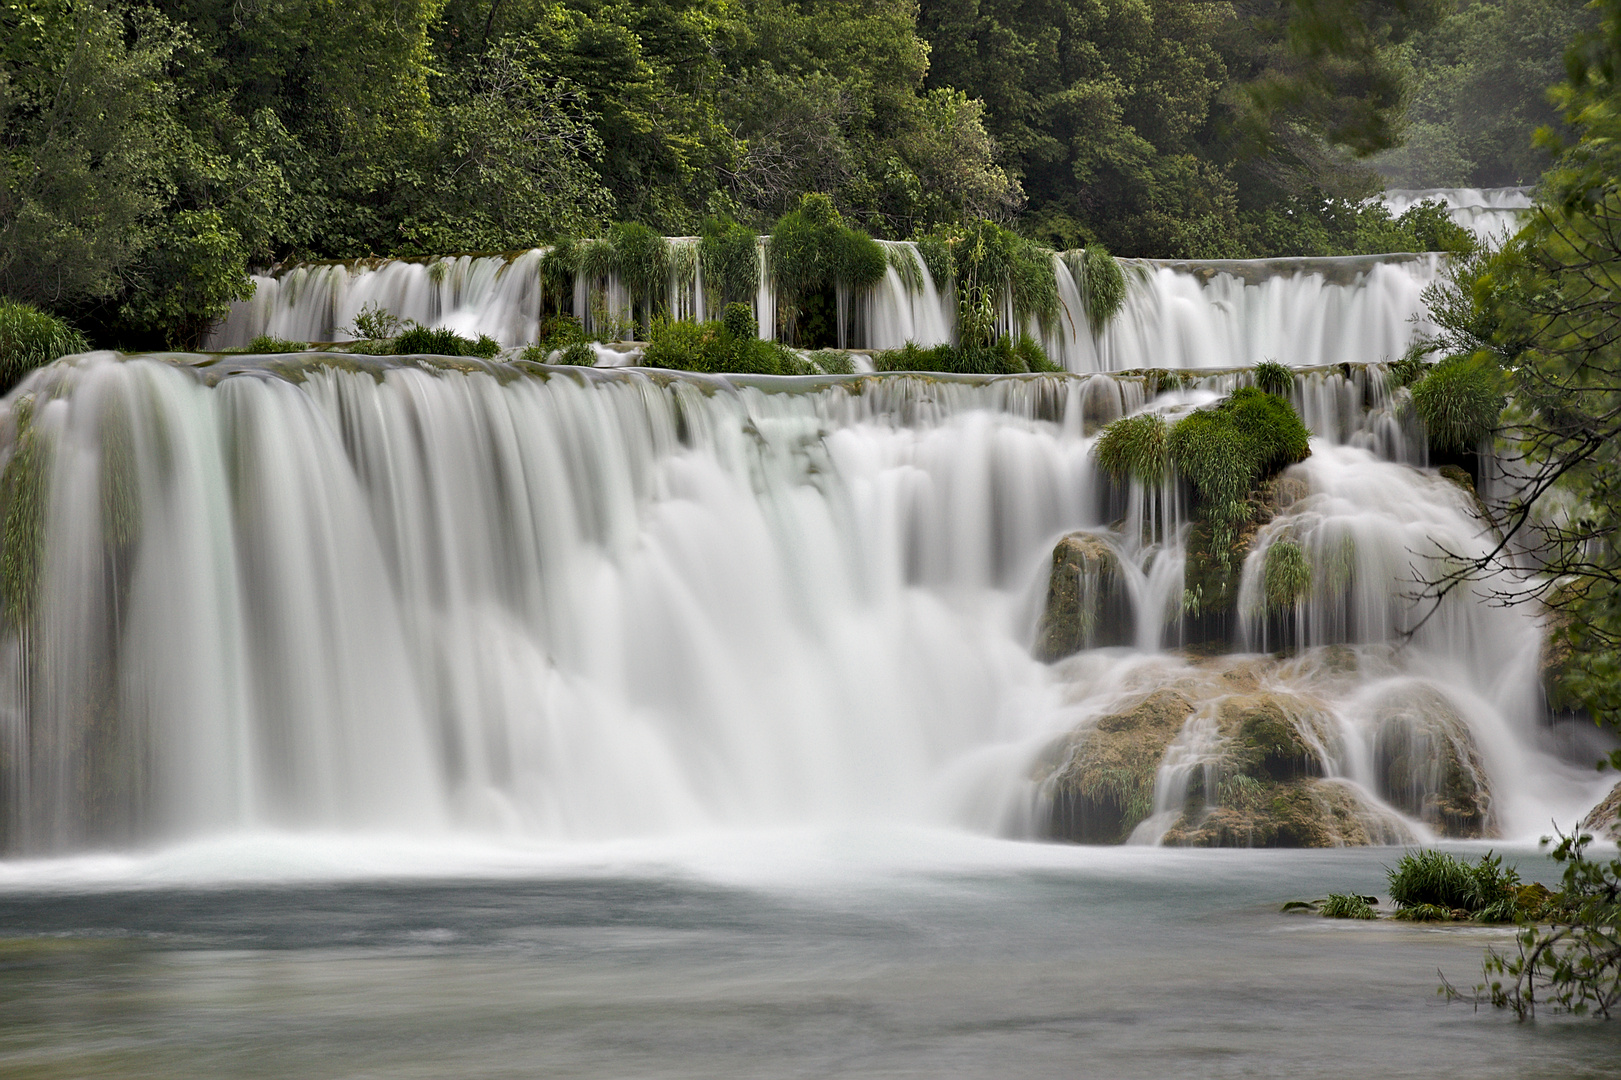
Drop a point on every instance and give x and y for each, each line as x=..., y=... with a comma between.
x=1302, y=813
x=1427, y=763
x=1101, y=779
x=1264, y=737
x=1604, y=820
x=1087, y=604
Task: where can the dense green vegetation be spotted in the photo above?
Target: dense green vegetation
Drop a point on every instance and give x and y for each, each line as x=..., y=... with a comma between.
x=29, y=338
x=156, y=149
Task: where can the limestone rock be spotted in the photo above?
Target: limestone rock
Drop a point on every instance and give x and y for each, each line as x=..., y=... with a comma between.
x=1427, y=763
x=1101, y=779
x=1301, y=813
x=1605, y=819
x=1087, y=604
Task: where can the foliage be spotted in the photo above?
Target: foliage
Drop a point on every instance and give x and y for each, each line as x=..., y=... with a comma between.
x=1574, y=963
x=1459, y=401
x=373, y=323
x=731, y=345
x=1134, y=447
x=1224, y=451
x=812, y=251
x=1477, y=83
x=1103, y=286
x=729, y=255
x=577, y=354
x=1273, y=377
x=265, y=343
x=419, y=340
x=1287, y=575
x=1429, y=878
x=29, y=339
x=1346, y=906
x=1007, y=356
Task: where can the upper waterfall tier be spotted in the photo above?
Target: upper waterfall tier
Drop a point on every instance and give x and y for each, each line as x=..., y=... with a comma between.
x=1490, y=213
x=355, y=593
x=1215, y=314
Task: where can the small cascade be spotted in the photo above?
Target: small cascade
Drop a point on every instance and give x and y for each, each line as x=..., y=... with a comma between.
x=1491, y=214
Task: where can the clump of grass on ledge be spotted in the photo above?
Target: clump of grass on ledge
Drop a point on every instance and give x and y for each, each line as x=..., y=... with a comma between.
x=1104, y=285
x=1425, y=882
x=1459, y=401
x=1134, y=447
x=30, y=338
x=419, y=340
x=1347, y=906
x=1273, y=378
x=1006, y=356
x=265, y=343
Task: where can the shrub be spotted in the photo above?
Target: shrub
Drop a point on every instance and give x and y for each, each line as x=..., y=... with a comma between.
x=713, y=347
x=420, y=340
x=373, y=323
x=29, y=338
x=811, y=250
x=578, y=354
x=1347, y=906
x=1429, y=222
x=1459, y=401
x=740, y=322
x=730, y=257
x=264, y=343
x=643, y=261
x=1134, y=447
x=1287, y=575
x=1030, y=356
x=558, y=331
x=1273, y=378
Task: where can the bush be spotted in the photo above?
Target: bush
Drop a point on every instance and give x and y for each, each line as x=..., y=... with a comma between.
x=29, y=338
x=740, y=322
x=420, y=340
x=1347, y=906
x=1029, y=356
x=1273, y=378
x=811, y=250
x=714, y=347
x=264, y=343
x=1442, y=880
x=1459, y=401
x=558, y=332
x=373, y=323
x=578, y=354
x=1134, y=447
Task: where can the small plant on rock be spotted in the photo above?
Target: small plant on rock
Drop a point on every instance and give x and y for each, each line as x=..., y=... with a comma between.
x=1347, y=906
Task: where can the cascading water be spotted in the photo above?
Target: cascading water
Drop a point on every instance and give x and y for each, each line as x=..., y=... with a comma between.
x=1221, y=313
x=1490, y=213
x=366, y=595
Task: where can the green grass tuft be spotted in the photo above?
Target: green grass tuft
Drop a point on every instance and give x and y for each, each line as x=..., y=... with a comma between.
x=1347, y=906
x=1274, y=378
x=1459, y=401
x=418, y=340
x=1135, y=447
x=1103, y=286
x=730, y=257
x=1287, y=575
x=264, y=343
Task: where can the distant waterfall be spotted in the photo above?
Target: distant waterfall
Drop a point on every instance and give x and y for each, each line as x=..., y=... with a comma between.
x=1221, y=313
x=1490, y=213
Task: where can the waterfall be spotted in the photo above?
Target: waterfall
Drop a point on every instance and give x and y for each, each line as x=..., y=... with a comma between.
x=1490, y=213
x=1214, y=314
x=362, y=594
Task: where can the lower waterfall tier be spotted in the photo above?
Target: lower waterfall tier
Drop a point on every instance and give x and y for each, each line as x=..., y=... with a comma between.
x=415, y=596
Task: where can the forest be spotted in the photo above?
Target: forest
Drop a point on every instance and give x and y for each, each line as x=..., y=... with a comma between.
x=157, y=151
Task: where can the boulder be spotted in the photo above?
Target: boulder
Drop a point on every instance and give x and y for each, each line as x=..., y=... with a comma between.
x=1087, y=603
x=1604, y=820
x=1427, y=764
x=1301, y=813
x=1100, y=779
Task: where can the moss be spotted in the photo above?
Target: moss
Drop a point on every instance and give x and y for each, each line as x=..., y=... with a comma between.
x=1103, y=286
x=29, y=339
x=1134, y=448
x=1087, y=604
x=23, y=496
x=1101, y=781
x=1287, y=575
x=1273, y=378
x=1459, y=401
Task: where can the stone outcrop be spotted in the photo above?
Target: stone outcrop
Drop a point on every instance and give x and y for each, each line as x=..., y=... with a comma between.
x=1087, y=603
x=1101, y=779
x=1604, y=820
x=1428, y=765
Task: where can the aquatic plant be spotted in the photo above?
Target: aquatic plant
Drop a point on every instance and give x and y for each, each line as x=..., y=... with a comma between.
x=1442, y=880
x=373, y=322
x=1459, y=401
x=1135, y=447
x=1346, y=906
x=1287, y=575
x=1274, y=378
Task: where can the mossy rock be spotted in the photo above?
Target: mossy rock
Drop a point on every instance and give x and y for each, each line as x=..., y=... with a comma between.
x=1427, y=764
x=1604, y=820
x=1211, y=576
x=1087, y=603
x=1264, y=737
x=1302, y=813
x=1101, y=780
